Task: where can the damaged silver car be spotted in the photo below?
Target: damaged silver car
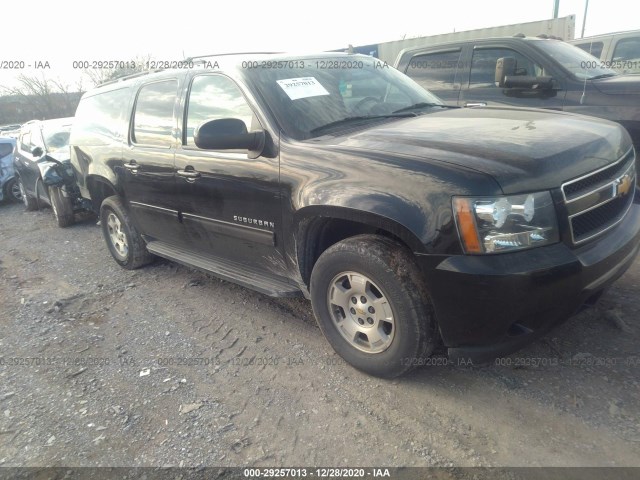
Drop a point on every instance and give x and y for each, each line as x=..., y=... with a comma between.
x=43, y=171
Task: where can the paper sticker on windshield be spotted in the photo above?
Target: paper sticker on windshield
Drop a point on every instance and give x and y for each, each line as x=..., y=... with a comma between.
x=303, y=87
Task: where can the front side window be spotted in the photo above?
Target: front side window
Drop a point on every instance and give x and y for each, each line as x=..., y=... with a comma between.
x=153, y=117
x=213, y=97
x=25, y=140
x=483, y=66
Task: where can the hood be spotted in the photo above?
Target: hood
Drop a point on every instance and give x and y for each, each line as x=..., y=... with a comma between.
x=522, y=149
x=61, y=155
x=619, y=85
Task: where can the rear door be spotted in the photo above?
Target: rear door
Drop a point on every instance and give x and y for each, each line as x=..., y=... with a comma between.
x=148, y=160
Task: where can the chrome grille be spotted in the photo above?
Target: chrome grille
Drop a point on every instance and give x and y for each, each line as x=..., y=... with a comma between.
x=598, y=201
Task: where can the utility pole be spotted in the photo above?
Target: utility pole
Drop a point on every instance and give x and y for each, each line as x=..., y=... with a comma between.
x=584, y=20
x=556, y=7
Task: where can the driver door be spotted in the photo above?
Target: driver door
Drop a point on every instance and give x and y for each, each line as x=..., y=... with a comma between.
x=481, y=88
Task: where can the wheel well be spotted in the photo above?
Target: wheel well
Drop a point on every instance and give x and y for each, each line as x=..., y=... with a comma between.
x=99, y=190
x=318, y=234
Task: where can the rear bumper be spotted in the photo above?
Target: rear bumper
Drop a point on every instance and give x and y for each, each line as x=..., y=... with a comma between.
x=489, y=306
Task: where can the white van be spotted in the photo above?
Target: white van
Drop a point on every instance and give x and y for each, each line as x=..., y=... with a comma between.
x=619, y=51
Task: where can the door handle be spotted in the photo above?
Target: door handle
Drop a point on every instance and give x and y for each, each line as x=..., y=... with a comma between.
x=132, y=166
x=475, y=104
x=188, y=174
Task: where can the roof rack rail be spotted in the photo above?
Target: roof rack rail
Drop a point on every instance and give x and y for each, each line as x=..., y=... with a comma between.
x=127, y=77
x=190, y=59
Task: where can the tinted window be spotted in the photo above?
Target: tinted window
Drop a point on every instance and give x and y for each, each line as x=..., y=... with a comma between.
x=594, y=48
x=153, y=117
x=213, y=97
x=435, y=71
x=483, y=66
x=101, y=119
x=5, y=149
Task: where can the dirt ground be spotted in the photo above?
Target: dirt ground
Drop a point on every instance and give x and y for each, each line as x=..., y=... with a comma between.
x=165, y=366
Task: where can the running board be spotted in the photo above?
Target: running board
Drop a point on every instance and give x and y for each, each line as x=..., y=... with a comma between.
x=227, y=270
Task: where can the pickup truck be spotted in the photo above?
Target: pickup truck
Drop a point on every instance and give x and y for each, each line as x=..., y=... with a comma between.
x=408, y=223
x=619, y=51
x=527, y=72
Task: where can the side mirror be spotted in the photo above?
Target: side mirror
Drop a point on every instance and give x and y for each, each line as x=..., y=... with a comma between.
x=228, y=134
x=37, y=152
x=534, y=83
x=505, y=66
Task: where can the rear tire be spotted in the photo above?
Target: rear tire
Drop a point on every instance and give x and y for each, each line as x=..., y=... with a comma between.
x=125, y=243
x=372, y=305
x=29, y=202
x=62, y=207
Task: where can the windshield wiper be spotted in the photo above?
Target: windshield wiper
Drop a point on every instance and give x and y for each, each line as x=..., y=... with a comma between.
x=423, y=105
x=604, y=75
x=358, y=118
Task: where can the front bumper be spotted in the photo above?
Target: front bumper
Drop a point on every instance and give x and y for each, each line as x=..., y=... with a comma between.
x=492, y=305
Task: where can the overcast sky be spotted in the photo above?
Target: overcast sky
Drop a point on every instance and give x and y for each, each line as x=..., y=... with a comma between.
x=60, y=32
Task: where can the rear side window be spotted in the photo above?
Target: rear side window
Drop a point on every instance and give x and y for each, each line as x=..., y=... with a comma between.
x=213, y=97
x=101, y=119
x=594, y=48
x=153, y=117
x=435, y=71
x=5, y=149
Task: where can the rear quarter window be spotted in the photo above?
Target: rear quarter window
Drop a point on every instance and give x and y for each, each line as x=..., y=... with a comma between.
x=101, y=119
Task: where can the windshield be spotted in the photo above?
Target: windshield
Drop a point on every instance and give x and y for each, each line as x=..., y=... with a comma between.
x=56, y=137
x=578, y=62
x=311, y=97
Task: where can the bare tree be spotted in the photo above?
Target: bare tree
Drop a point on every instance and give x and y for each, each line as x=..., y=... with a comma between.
x=43, y=97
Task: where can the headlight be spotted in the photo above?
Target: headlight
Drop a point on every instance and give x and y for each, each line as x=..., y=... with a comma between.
x=501, y=224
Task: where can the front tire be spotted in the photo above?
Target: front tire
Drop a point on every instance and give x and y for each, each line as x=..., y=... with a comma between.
x=62, y=207
x=29, y=202
x=372, y=305
x=125, y=243
x=12, y=191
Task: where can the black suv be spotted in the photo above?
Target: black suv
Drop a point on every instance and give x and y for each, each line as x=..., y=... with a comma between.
x=405, y=221
x=525, y=72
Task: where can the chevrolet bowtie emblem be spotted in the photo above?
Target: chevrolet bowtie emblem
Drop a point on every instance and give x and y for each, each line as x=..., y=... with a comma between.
x=623, y=185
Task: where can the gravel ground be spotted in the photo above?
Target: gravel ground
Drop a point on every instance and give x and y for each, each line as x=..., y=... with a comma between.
x=165, y=366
